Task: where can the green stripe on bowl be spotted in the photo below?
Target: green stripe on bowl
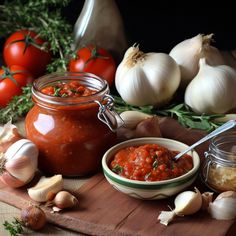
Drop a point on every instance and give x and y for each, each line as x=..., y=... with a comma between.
x=145, y=186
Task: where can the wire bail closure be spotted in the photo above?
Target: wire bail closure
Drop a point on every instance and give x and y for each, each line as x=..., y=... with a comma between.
x=107, y=115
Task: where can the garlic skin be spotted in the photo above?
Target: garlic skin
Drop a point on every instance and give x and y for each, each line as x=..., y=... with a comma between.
x=147, y=79
x=188, y=53
x=186, y=203
x=212, y=90
x=224, y=206
x=19, y=163
x=46, y=188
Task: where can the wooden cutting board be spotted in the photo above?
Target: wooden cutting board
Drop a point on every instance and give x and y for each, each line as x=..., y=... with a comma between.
x=105, y=211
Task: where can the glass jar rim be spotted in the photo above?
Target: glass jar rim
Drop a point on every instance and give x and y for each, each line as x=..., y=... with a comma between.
x=86, y=79
x=220, y=154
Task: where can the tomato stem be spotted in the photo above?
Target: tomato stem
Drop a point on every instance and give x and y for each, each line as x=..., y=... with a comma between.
x=28, y=40
x=94, y=55
x=9, y=75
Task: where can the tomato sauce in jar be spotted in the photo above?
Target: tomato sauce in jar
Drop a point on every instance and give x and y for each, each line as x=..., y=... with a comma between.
x=64, y=123
x=149, y=162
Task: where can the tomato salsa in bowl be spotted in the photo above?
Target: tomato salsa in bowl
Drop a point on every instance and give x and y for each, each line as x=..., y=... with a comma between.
x=143, y=168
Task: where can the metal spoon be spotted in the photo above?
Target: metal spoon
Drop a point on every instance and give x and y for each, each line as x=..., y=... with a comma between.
x=228, y=125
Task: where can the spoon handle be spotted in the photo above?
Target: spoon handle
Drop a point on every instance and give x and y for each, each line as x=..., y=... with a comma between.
x=228, y=125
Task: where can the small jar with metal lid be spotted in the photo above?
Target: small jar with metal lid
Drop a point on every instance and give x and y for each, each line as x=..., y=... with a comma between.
x=219, y=167
x=72, y=133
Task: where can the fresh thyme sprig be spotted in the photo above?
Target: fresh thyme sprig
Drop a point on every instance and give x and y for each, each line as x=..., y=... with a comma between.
x=15, y=227
x=45, y=18
x=181, y=112
x=18, y=106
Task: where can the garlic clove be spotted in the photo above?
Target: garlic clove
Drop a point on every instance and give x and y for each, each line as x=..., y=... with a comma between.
x=132, y=118
x=224, y=206
x=10, y=180
x=64, y=199
x=8, y=135
x=188, y=202
x=225, y=118
x=46, y=188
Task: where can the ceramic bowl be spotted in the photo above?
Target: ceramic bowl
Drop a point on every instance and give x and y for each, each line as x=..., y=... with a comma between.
x=153, y=189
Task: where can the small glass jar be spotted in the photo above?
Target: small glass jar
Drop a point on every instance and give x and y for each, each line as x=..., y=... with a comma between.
x=219, y=167
x=71, y=133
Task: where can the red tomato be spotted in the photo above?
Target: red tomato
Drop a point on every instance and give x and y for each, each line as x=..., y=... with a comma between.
x=11, y=82
x=94, y=60
x=22, y=48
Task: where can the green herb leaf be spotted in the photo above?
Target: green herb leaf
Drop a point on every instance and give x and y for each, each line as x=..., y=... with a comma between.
x=45, y=18
x=181, y=112
x=117, y=169
x=18, y=106
x=15, y=227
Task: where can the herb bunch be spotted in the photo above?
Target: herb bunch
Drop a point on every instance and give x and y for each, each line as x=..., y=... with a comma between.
x=45, y=18
x=18, y=106
x=15, y=227
x=181, y=112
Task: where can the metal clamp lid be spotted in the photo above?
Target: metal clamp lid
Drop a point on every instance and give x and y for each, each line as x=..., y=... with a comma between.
x=107, y=115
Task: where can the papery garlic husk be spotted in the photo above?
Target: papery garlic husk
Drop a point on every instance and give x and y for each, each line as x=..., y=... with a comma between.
x=46, y=189
x=212, y=90
x=8, y=135
x=19, y=163
x=207, y=198
x=64, y=199
x=132, y=118
x=147, y=78
x=188, y=52
x=224, y=206
x=186, y=203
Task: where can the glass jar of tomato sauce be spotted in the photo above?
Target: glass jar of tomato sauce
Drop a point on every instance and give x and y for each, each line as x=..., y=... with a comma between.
x=71, y=132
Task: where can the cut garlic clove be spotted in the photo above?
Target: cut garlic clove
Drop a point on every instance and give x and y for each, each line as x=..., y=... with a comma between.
x=46, y=188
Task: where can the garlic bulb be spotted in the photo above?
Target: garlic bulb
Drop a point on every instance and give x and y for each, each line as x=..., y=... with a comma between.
x=186, y=203
x=212, y=90
x=188, y=52
x=147, y=78
x=46, y=188
x=224, y=206
x=19, y=163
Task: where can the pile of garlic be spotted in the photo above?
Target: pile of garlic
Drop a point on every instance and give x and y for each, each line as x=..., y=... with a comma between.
x=193, y=65
x=209, y=82
x=190, y=202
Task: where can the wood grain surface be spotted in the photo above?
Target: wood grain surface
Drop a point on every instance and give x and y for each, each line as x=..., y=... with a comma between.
x=105, y=211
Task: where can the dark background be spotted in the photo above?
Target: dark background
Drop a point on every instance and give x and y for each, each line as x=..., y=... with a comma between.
x=159, y=25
